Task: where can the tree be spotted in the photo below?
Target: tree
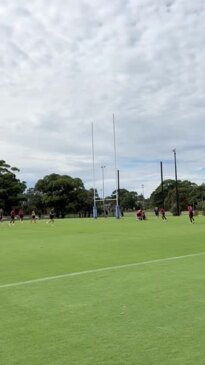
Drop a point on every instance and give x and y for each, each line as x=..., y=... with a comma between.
x=156, y=198
x=130, y=200
x=127, y=199
x=84, y=202
x=11, y=188
x=33, y=201
x=61, y=192
x=198, y=195
x=189, y=193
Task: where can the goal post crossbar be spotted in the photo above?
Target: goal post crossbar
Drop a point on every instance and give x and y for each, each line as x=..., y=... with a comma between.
x=104, y=200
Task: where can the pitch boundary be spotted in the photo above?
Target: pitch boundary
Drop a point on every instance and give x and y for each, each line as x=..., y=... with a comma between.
x=103, y=269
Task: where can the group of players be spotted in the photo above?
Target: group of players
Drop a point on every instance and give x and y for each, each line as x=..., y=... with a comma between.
x=15, y=215
x=140, y=214
x=160, y=211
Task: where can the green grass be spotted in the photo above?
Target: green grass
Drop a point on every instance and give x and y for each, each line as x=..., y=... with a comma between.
x=143, y=314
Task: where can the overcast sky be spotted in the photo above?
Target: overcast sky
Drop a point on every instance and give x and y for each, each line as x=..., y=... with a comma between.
x=67, y=63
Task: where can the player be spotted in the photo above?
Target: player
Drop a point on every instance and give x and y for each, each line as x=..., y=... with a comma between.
x=191, y=213
x=51, y=216
x=12, y=216
x=162, y=212
x=156, y=212
x=140, y=215
x=33, y=216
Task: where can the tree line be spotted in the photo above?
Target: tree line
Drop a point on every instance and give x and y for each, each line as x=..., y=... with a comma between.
x=189, y=194
x=68, y=195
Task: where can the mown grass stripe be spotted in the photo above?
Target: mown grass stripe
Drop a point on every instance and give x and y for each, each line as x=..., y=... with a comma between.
x=103, y=269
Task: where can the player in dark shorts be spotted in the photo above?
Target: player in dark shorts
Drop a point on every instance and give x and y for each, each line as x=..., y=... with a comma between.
x=51, y=216
x=162, y=212
x=33, y=216
x=156, y=212
x=191, y=214
x=12, y=216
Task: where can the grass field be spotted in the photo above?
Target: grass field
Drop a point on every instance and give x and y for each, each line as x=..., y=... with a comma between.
x=137, y=295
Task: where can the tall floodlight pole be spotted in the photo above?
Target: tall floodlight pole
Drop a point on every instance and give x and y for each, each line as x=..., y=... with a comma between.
x=94, y=192
x=162, y=183
x=117, y=208
x=176, y=181
x=103, y=187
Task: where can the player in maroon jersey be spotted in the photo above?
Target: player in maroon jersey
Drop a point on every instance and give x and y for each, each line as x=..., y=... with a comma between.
x=162, y=212
x=191, y=213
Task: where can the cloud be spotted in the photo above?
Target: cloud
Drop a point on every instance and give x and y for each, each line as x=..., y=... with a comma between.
x=65, y=64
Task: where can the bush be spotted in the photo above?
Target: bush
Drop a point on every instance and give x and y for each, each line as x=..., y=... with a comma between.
x=201, y=206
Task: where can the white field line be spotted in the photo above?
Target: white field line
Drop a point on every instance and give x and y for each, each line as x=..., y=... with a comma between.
x=103, y=269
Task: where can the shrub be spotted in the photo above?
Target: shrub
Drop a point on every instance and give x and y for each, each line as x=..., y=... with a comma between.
x=201, y=206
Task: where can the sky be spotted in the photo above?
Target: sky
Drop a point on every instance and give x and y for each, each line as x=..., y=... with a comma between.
x=65, y=64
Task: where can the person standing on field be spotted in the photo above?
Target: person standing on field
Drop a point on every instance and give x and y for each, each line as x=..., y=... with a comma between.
x=51, y=216
x=12, y=216
x=33, y=216
x=162, y=212
x=191, y=213
x=156, y=212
